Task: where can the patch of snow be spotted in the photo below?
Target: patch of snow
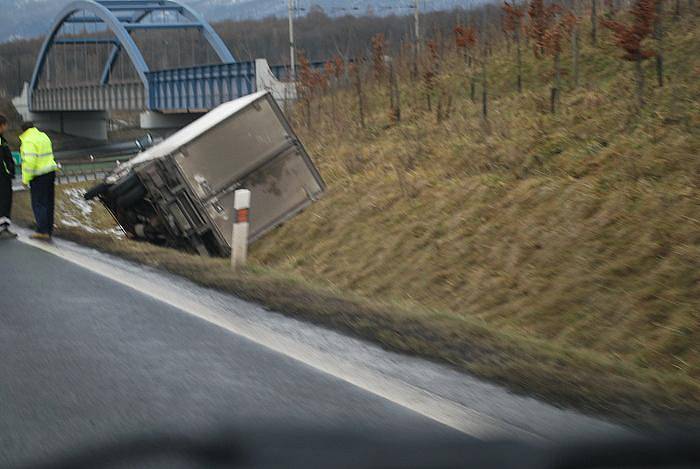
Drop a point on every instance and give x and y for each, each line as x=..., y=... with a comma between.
x=82, y=217
x=70, y=221
x=75, y=195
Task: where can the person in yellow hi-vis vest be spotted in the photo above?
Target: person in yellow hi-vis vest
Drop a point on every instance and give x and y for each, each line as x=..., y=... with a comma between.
x=39, y=173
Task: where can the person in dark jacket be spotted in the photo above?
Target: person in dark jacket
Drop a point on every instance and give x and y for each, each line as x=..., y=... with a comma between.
x=7, y=174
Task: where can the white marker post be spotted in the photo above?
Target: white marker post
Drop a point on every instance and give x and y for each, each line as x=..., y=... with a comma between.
x=241, y=217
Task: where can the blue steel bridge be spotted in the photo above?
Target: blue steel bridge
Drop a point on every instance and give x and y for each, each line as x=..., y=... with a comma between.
x=157, y=57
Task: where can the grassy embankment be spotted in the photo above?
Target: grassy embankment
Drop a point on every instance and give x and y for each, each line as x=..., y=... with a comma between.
x=558, y=255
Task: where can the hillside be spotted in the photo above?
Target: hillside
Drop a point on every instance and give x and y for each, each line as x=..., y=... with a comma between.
x=23, y=19
x=581, y=229
x=558, y=254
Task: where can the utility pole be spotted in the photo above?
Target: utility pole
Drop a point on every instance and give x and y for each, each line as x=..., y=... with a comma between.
x=292, y=52
x=416, y=46
x=19, y=73
x=416, y=14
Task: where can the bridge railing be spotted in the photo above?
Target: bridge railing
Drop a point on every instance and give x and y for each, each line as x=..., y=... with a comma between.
x=112, y=97
x=200, y=88
x=192, y=89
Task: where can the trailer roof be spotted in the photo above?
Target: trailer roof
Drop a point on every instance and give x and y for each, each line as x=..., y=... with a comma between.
x=191, y=131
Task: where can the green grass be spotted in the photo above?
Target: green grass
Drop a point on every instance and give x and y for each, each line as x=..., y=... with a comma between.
x=555, y=254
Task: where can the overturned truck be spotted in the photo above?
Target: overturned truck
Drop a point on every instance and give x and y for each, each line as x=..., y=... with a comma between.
x=180, y=192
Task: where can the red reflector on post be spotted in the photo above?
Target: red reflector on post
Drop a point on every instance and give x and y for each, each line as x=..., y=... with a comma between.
x=239, y=236
x=242, y=215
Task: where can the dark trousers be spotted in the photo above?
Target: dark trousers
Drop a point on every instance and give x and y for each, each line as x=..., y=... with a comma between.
x=5, y=201
x=43, y=193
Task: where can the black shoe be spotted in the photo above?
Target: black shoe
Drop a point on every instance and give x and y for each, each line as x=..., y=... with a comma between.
x=7, y=234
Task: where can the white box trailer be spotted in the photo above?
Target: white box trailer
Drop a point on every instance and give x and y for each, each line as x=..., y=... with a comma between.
x=180, y=192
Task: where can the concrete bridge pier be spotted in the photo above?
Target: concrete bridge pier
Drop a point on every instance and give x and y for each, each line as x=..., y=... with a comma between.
x=88, y=124
x=165, y=123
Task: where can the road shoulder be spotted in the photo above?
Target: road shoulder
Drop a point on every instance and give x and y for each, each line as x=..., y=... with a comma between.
x=436, y=391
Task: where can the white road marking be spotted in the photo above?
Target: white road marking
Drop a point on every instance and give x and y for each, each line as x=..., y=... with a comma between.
x=419, y=400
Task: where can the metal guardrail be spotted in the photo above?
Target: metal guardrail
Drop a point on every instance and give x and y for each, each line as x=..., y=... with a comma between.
x=200, y=88
x=86, y=170
x=78, y=171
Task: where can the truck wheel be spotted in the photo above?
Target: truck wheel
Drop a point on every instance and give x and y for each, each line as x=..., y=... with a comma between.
x=96, y=191
x=130, y=198
x=123, y=187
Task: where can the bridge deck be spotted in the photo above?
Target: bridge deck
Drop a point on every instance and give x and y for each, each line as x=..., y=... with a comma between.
x=190, y=89
x=174, y=90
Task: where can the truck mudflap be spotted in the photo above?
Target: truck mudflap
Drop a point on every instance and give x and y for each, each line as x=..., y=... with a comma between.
x=180, y=192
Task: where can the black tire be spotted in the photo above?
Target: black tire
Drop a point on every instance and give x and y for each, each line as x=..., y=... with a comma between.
x=123, y=187
x=132, y=197
x=96, y=191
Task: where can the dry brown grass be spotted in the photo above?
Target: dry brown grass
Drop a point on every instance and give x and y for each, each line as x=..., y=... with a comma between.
x=581, y=229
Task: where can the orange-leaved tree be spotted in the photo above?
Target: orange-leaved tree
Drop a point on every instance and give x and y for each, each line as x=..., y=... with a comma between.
x=465, y=40
x=541, y=18
x=431, y=72
x=338, y=67
x=305, y=86
x=378, y=56
x=310, y=83
x=630, y=38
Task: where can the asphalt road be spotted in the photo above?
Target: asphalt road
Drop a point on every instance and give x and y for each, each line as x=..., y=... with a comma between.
x=85, y=360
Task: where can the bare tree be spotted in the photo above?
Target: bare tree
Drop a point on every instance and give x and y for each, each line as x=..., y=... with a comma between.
x=484, y=80
x=395, y=93
x=514, y=24
x=594, y=22
x=575, y=53
x=561, y=27
x=356, y=74
x=431, y=72
x=659, y=37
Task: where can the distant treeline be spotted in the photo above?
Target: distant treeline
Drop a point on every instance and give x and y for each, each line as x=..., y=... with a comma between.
x=318, y=36
x=321, y=37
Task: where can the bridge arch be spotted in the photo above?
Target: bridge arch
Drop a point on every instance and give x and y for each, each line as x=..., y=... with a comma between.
x=104, y=12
